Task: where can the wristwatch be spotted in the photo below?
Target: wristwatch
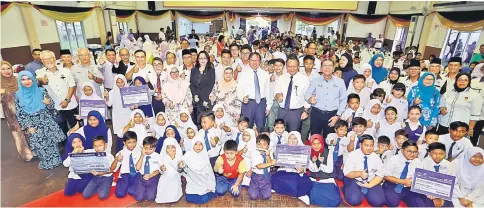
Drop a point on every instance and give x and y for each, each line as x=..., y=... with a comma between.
x=67, y=100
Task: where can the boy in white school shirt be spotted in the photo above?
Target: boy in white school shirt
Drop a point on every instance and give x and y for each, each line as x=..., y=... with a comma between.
x=353, y=108
x=236, y=132
x=363, y=173
x=334, y=139
x=148, y=166
x=101, y=182
x=399, y=171
x=456, y=141
x=437, y=163
x=431, y=136
x=211, y=137
x=383, y=150
x=279, y=135
x=352, y=140
x=126, y=158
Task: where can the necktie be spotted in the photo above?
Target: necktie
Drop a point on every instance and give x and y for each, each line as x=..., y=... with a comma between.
x=336, y=150
x=279, y=139
x=398, y=150
x=158, y=82
x=352, y=118
x=257, y=88
x=437, y=167
x=266, y=172
x=358, y=143
x=207, y=143
x=147, y=165
x=399, y=187
x=365, y=166
x=449, y=155
x=237, y=138
x=132, y=169
x=427, y=153
x=287, y=103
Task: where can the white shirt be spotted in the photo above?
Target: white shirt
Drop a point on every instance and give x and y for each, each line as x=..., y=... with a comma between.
x=394, y=167
x=107, y=71
x=311, y=76
x=356, y=160
x=67, y=163
x=348, y=113
x=212, y=133
x=459, y=148
x=379, y=44
x=422, y=150
x=478, y=86
x=147, y=72
x=444, y=165
x=257, y=159
x=342, y=145
x=400, y=104
x=81, y=76
x=58, y=87
x=300, y=84
x=163, y=78
x=328, y=168
x=125, y=162
x=275, y=138
x=388, y=130
x=464, y=106
x=161, y=36
x=154, y=163
x=316, y=67
x=246, y=87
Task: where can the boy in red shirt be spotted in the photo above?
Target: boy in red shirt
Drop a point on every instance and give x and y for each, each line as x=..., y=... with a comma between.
x=231, y=168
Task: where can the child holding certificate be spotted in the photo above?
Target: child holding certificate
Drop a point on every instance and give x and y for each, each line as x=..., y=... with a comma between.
x=292, y=181
x=121, y=115
x=101, y=182
x=126, y=159
x=198, y=173
x=279, y=135
x=231, y=167
x=431, y=136
x=149, y=168
x=147, y=109
x=260, y=178
x=324, y=191
x=469, y=186
x=437, y=163
x=335, y=139
x=171, y=155
x=399, y=171
x=95, y=126
x=75, y=182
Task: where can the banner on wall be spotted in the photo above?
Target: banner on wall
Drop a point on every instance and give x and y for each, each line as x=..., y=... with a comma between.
x=313, y=5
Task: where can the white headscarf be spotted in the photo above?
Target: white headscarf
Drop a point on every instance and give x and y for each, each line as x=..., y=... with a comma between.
x=176, y=89
x=477, y=73
x=467, y=174
x=125, y=42
x=139, y=129
x=298, y=137
x=226, y=119
x=198, y=162
x=183, y=126
x=368, y=115
x=251, y=144
x=160, y=130
x=166, y=159
x=93, y=96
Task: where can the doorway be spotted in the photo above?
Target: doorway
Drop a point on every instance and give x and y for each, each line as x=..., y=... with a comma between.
x=399, y=39
x=461, y=44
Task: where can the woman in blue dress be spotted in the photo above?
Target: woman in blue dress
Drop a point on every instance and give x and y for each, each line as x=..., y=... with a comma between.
x=427, y=96
x=35, y=113
x=379, y=73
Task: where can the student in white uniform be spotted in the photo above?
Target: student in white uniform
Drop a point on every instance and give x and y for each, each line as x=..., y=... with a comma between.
x=389, y=125
x=456, y=141
x=211, y=137
x=139, y=125
x=437, y=163
x=311, y=51
x=101, y=181
x=171, y=154
x=353, y=108
x=357, y=86
x=149, y=167
x=126, y=160
x=430, y=137
x=469, y=186
x=121, y=115
x=399, y=172
x=397, y=99
x=363, y=172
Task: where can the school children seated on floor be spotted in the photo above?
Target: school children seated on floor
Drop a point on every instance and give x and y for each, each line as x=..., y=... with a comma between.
x=260, y=178
x=231, y=168
x=126, y=160
x=211, y=136
x=171, y=154
x=436, y=162
x=101, y=181
x=337, y=140
x=279, y=134
x=148, y=166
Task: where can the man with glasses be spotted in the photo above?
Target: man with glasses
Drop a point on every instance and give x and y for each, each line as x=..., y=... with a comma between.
x=234, y=52
x=454, y=66
x=105, y=65
x=310, y=50
x=85, y=71
x=124, y=64
x=436, y=68
x=60, y=85
x=186, y=68
x=253, y=91
x=244, y=62
x=160, y=77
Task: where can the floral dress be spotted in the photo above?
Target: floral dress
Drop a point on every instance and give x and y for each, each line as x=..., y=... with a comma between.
x=430, y=108
x=173, y=113
x=44, y=142
x=229, y=101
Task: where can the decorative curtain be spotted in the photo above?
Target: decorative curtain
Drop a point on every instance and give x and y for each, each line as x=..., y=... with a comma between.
x=462, y=21
x=367, y=19
x=401, y=20
x=5, y=7
x=65, y=14
x=200, y=16
x=124, y=15
x=267, y=17
x=318, y=18
x=154, y=15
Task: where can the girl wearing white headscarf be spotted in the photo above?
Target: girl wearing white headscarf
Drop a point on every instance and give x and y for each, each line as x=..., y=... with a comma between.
x=469, y=183
x=171, y=155
x=247, y=144
x=176, y=95
x=478, y=71
x=89, y=92
x=121, y=115
x=183, y=121
x=222, y=117
x=372, y=114
x=292, y=181
x=160, y=125
x=139, y=125
x=198, y=172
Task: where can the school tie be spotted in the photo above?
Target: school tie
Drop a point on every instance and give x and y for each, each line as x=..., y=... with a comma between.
x=207, y=143
x=257, y=88
x=352, y=119
x=427, y=153
x=237, y=138
x=398, y=150
x=437, y=167
x=266, y=172
x=279, y=139
x=158, y=82
x=336, y=150
x=147, y=165
x=132, y=169
x=287, y=104
x=449, y=155
x=365, y=166
x=399, y=187
x=358, y=143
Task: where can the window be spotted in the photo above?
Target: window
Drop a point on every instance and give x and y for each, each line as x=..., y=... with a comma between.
x=71, y=36
x=460, y=44
x=303, y=28
x=124, y=26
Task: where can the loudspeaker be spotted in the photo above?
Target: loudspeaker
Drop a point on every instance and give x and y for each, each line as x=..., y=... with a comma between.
x=371, y=7
x=151, y=5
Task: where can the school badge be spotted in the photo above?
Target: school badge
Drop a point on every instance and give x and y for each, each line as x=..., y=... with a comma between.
x=466, y=98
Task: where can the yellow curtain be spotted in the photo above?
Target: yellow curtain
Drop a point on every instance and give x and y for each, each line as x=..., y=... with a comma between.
x=372, y=21
x=461, y=26
x=6, y=8
x=327, y=22
x=125, y=19
x=201, y=18
x=154, y=17
x=399, y=23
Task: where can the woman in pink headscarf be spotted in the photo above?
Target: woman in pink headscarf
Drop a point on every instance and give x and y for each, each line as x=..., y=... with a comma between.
x=176, y=95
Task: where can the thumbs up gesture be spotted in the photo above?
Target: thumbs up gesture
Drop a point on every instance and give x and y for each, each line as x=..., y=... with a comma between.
x=417, y=100
x=312, y=99
x=90, y=75
x=389, y=100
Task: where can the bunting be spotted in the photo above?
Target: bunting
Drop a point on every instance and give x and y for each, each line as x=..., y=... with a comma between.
x=124, y=15
x=367, y=19
x=268, y=17
x=65, y=14
x=200, y=16
x=467, y=21
x=319, y=19
x=401, y=20
x=154, y=15
x=5, y=7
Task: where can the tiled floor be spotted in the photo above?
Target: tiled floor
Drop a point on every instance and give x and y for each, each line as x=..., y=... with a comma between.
x=22, y=182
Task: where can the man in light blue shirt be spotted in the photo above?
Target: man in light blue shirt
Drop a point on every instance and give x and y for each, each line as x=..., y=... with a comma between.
x=327, y=96
x=36, y=63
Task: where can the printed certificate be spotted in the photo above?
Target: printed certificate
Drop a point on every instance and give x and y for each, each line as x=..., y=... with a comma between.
x=135, y=96
x=292, y=156
x=86, y=106
x=433, y=184
x=87, y=162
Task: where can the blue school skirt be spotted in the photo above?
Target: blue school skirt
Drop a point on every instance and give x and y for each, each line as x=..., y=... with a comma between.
x=292, y=184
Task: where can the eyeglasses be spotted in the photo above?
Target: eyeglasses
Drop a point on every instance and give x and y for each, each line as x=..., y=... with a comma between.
x=411, y=152
x=202, y=58
x=463, y=80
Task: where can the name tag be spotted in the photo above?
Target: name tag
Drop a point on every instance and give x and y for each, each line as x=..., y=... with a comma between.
x=155, y=162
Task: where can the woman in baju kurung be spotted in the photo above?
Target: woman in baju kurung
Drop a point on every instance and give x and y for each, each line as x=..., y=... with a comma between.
x=224, y=93
x=427, y=96
x=35, y=114
x=176, y=96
